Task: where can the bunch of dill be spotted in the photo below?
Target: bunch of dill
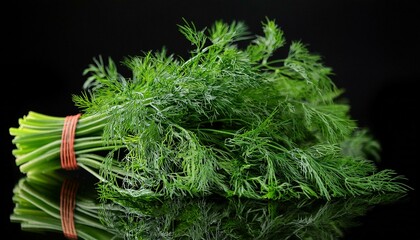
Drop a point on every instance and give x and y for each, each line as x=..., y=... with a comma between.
x=228, y=120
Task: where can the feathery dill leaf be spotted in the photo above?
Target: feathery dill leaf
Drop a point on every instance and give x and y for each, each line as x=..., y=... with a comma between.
x=225, y=121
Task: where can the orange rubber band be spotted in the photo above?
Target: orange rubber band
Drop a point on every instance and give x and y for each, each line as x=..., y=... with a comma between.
x=67, y=205
x=67, y=154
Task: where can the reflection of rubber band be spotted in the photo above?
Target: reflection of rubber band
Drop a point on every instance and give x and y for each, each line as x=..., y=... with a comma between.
x=67, y=205
x=67, y=155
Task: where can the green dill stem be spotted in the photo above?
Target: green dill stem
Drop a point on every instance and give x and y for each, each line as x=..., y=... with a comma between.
x=38, y=140
x=89, y=161
x=30, y=162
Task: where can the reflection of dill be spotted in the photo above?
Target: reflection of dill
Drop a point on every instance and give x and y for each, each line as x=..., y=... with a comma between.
x=37, y=209
x=234, y=218
x=37, y=206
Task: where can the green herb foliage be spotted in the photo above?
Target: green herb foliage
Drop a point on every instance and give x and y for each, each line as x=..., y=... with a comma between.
x=227, y=120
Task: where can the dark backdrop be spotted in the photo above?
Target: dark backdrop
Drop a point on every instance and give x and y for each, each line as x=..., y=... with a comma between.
x=372, y=46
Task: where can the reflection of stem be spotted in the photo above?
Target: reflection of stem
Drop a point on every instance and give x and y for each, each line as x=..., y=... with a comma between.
x=41, y=207
x=67, y=205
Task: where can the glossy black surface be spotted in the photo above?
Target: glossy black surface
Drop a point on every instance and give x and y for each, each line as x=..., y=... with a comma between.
x=372, y=46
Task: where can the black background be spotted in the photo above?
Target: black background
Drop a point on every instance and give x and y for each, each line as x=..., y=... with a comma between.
x=372, y=46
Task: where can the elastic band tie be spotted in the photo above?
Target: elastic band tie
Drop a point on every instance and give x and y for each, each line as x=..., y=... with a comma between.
x=67, y=154
x=67, y=205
